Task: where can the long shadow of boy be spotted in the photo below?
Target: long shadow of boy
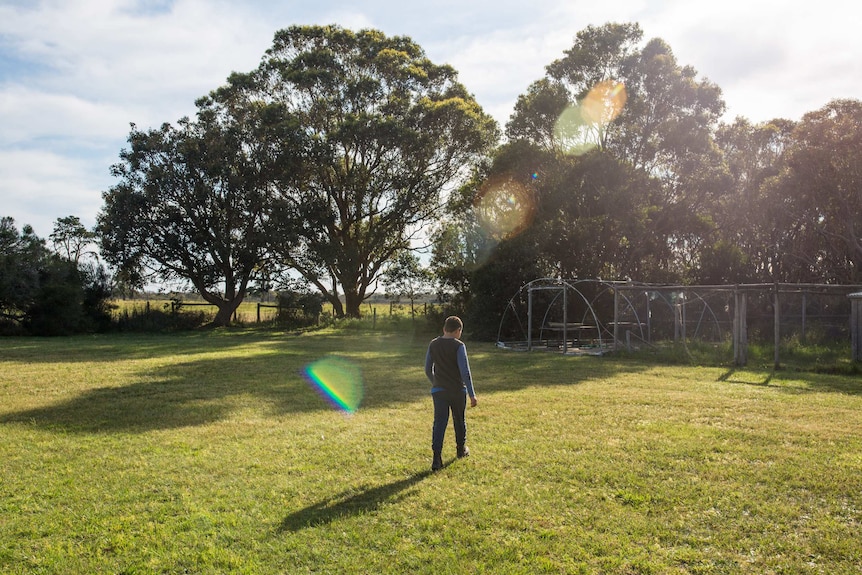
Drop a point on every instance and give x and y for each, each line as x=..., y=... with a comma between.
x=349, y=503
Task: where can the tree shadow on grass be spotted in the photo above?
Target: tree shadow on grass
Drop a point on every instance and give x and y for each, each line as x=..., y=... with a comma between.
x=126, y=346
x=734, y=376
x=788, y=381
x=529, y=369
x=140, y=406
x=350, y=503
x=205, y=390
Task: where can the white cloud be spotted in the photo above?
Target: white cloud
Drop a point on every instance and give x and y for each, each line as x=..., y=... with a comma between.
x=350, y=18
x=27, y=114
x=769, y=58
x=497, y=67
x=38, y=187
x=101, y=51
x=92, y=67
x=74, y=73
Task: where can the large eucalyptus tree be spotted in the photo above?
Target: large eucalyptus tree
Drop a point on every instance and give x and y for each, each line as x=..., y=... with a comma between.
x=819, y=195
x=197, y=201
x=390, y=133
x=642, y=209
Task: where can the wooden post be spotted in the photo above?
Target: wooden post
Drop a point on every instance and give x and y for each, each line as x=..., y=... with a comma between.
x=736, y=322
x=777, y=330
x=530, y=319
x=258, y=312
x=565, y=322
x=682, y=317
x=735, y=327
x=740, y=329
x=804, y=305
x=743, y=329
x=648, y=319
x=856, y=325
x=616, y=317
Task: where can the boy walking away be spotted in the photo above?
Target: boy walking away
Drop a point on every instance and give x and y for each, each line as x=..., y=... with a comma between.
x=448, y=370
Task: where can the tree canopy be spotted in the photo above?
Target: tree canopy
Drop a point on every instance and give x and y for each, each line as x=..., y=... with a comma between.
x=823, y=175
x=391, y=131
x=339, y=152
x=48, y=293
x=328, y=160
x=199, y=201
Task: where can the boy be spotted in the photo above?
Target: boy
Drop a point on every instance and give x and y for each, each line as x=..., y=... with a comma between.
x=448, y=371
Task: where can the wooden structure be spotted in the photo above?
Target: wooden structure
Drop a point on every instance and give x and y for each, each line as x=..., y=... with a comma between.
x=856, y=325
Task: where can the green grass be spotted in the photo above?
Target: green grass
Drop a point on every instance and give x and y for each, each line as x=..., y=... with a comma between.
x=210, y=453
x=247, y=312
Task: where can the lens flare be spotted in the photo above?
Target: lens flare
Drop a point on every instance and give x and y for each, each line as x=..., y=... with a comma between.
x=604, y=103
x=579, y=128
x=572, y=133
x=339, y=380
x=505, y=206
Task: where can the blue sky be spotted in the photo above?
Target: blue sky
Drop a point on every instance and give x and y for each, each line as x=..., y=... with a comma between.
x=75, y=73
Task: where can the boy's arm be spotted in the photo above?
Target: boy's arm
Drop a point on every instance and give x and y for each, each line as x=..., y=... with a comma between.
x=466, y=376
x=429, y=366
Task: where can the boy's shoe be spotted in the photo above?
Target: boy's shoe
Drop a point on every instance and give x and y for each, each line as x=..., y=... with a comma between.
x=463, y=451
x=437, y=464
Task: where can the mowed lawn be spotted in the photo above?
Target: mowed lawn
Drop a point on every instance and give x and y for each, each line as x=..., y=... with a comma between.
x=210, y=452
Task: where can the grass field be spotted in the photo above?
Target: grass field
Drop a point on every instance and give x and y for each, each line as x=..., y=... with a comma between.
x=249, y=312
x=209, y=452
x=246, y=313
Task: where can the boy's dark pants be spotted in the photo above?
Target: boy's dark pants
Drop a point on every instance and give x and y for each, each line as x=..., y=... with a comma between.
x=444, y=402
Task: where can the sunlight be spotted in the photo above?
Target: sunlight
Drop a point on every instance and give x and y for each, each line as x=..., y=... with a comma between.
x=505, y=206
x=580, y=127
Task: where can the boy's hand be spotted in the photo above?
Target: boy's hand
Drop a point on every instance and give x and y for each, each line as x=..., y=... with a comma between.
x=473, y=402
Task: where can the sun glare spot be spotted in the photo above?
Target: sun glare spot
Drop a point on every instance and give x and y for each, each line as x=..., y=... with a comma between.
x=579, y=128
x=604, y=103
x=505, y=206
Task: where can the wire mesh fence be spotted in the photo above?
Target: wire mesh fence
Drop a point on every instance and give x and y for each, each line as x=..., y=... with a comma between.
x=582, y=316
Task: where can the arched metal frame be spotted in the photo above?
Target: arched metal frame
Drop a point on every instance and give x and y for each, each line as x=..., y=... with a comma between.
x=609, y=333
x=589, y=320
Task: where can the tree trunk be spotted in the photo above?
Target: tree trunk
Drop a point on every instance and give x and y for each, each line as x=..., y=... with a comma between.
x=225, y=312
x=353, y=304
x=336, y=306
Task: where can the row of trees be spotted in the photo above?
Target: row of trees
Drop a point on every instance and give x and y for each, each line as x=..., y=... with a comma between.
x=344, y=151
x=657, y=189
x=325, y=162
x=51, y=290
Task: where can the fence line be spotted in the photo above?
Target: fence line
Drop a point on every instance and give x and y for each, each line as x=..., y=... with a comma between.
x=741, y=293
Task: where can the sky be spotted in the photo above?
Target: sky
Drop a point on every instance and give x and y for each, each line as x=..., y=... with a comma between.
x=75, y=73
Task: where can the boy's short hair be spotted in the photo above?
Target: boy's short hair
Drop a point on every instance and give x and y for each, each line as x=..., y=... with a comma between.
x=453, y=324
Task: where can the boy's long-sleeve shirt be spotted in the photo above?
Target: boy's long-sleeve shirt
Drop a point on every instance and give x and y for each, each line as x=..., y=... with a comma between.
x=447, y=366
